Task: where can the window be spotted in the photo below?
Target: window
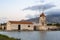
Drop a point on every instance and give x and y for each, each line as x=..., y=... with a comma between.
x=28, y=25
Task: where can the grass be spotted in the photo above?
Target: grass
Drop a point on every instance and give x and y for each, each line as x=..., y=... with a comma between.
x=4, y=37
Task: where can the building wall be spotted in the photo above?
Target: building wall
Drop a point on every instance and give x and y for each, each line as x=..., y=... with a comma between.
x=25, y=27
x=42, y=20
x=52, y=27
x=8, y=27
x=42, y=28
x=37, y=25
x=15, y=26
x=12, y=26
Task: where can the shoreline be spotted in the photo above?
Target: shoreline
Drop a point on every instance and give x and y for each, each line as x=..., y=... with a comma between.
x=26, y=30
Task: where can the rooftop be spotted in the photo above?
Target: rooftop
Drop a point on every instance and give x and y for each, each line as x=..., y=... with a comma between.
x=20, y=22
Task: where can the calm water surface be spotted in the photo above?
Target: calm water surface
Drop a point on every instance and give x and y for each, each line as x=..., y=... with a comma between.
x=34, y=35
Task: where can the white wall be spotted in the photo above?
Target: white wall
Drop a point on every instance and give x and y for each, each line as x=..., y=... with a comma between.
x=25, y=26
x=52, y=27
x=15, y=26
x=8, y=27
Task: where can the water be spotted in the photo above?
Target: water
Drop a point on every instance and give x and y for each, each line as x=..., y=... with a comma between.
x=34, y=35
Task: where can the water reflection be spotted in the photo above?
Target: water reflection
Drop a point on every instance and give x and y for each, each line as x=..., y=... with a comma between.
x=43, y=35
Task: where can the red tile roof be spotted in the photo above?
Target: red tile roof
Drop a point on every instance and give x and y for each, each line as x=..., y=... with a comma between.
x=20, y=22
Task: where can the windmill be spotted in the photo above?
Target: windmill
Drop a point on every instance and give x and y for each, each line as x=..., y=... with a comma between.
x=42, y=19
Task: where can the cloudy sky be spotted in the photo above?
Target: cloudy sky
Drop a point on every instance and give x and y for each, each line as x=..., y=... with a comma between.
x=22, y=9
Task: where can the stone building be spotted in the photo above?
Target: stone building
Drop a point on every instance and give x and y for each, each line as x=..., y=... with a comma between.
x=19, y=25
x=42, y=22
x=3, y=26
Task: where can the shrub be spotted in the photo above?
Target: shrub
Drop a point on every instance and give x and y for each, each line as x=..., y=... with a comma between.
x=4, y=37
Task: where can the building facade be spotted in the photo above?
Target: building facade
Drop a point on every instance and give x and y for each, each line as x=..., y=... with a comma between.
x=19, y=25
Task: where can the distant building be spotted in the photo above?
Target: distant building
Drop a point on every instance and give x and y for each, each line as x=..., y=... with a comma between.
x=3, y=26
x=19, y=25
x=42, y=25
x=42, y=22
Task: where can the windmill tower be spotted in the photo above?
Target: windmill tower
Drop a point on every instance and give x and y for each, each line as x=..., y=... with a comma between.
x=42, y=19
x=42, y=22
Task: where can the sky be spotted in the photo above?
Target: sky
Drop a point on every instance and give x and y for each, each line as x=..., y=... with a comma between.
x=13, y=9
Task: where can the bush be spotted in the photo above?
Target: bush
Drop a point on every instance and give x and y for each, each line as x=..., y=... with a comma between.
x=3, y=37
x=49, y=24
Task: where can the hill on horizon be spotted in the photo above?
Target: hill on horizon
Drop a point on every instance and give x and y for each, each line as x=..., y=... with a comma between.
x=52, y=17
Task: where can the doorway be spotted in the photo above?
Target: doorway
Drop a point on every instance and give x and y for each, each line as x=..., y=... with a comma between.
x=34, y=28
x=19, y=27
x=4, y=28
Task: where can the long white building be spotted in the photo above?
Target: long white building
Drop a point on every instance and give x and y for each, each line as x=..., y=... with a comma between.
x=19, y=25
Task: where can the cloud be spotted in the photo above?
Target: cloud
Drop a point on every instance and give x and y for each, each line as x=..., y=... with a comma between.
x=32, y=16
x=42, y=0
x=39, y=7
x=3, y=20
x=53, y=11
